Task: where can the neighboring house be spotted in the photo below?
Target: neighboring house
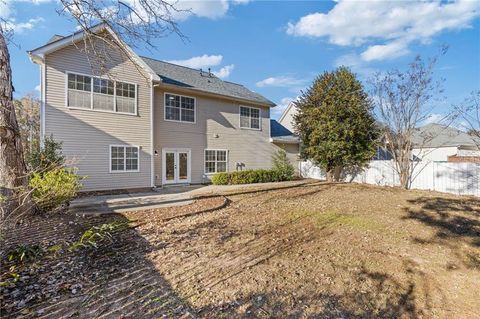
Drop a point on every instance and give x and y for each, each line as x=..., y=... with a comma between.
x=440, y=143
x=280, y=135
x=145, y=123
x=286, y=119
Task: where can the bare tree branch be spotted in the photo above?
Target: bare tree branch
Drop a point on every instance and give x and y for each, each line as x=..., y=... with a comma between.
x=467, y=116
x=402, y=101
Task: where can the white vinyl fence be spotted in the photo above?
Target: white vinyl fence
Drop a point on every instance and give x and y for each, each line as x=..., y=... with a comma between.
x=456, y=178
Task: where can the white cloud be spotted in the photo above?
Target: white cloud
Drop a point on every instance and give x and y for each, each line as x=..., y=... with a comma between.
x=5, y=9
x=281, y=81
x=211, y=9
x=199, y=62
x=355, y=63
x=204, y=9
x=23, y=26
x=206, y=61
x=434, y=118
x=241, y=1
x=224, y=72
x=395, y=23
x=8, y=13
x=387, y=51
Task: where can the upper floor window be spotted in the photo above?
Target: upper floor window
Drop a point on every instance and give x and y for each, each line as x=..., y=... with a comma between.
x=179, y=108
x=249, y=117
x=79, y=91
x=101, y=94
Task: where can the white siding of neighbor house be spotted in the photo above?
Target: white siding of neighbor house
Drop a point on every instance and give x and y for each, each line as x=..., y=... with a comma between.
x=287, y=118
x=439, y=154
x=216, y=127
x=87, y=134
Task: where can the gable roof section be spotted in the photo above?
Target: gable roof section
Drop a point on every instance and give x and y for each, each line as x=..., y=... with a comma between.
x=193, y=79
x=58, y=42
x=290, y=108
x=160, y=71
x=280, y=134
x=437, y=135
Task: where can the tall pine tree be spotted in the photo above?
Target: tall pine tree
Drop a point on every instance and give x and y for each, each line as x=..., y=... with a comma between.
x=336, y=124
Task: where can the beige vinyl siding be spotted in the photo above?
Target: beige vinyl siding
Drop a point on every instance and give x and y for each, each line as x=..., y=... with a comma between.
x=214, y=117
x=87, y=134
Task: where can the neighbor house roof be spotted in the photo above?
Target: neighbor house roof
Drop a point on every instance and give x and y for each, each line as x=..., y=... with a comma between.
x=280, y=134
x=194, y=79
x=437, y=135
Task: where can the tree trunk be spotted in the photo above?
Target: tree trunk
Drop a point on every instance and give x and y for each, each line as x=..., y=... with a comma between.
x=334, y=174
x=12, y=165
x=404, y=179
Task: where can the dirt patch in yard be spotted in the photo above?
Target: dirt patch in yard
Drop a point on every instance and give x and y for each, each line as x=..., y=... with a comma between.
x=314, y=251
x=323, y=251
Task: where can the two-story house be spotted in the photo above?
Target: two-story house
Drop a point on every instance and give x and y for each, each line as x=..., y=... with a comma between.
x=138, y=122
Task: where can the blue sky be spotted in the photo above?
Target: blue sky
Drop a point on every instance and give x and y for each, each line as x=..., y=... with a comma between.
x=277, y=48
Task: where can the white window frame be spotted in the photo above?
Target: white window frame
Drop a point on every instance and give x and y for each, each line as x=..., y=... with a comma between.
x=179, y=121
x=124, y=158
x=135, y=113
x=215, y=149
x=250, y=125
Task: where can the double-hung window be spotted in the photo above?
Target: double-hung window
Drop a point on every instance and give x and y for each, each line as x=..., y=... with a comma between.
x=79, y=91
x=179, y=108
x=103, y=95
x=215, y=161
x=125, y=97
x=100, y=94
x=249, y=117
x=124, y=158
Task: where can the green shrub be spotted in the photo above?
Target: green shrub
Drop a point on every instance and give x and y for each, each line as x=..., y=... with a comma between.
x=247, y=177
x=47, y=157
x=54, y=188
x=282, y=166
x=221, y=179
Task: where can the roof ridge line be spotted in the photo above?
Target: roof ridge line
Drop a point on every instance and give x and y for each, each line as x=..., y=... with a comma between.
x=186, y=67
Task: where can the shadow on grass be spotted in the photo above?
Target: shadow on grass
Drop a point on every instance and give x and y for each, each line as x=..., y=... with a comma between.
x=115, y=280
x=380, y=296
x=456, y=222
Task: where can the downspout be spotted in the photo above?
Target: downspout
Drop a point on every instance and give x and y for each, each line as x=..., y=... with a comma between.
x=152, y=152
x=43, y=99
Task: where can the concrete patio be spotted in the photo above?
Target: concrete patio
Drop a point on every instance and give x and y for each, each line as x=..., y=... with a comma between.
x=165, y=197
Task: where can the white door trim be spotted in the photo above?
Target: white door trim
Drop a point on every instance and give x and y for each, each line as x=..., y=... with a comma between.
x=189, y=165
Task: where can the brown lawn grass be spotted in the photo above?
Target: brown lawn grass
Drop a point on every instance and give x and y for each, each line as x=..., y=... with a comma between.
x=315, y=251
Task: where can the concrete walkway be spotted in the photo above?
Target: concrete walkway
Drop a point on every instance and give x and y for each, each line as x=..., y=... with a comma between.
x=165, y=197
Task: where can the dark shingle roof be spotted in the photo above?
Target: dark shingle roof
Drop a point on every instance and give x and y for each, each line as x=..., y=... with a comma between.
x=437, y=135
x=280, y=133
x=193, y=79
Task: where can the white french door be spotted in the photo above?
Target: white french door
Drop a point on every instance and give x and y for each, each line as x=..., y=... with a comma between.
x=176, y=168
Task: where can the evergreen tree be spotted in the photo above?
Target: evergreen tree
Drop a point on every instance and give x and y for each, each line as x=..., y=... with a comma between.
x=336, y=124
